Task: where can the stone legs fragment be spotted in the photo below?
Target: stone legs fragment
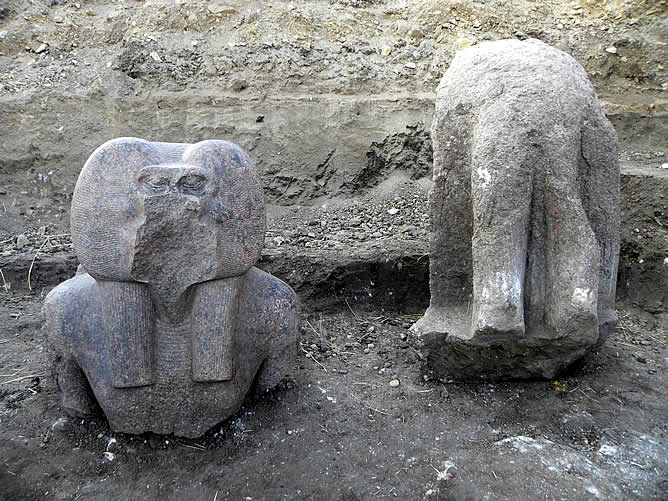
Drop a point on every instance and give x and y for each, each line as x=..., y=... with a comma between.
x=501, y=200
x=525, y=215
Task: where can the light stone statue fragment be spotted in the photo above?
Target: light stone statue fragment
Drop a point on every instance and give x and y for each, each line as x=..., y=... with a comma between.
x=524, y=214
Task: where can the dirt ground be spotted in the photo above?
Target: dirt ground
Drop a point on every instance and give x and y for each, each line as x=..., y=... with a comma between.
x=318, y=91
x=361, y=418
x=333, y=99
x=341, y=430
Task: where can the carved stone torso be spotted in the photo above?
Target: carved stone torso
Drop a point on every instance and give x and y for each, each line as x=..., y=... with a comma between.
x=172, y=401
x=171, y=325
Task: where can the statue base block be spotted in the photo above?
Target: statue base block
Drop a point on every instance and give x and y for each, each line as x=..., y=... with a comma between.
x=452, y=350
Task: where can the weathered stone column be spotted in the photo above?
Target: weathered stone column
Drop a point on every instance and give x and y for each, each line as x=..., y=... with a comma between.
x=524, y=212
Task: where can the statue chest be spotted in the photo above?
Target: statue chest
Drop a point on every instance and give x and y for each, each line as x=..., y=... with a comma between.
x=174, y=401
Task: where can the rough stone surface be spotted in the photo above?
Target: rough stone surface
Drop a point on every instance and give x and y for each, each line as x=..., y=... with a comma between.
x=336, y=82
x=170, y=324
x=525, y=215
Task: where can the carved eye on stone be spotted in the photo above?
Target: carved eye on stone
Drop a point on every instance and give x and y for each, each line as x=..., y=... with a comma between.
x=192, y=184
x=155, y=182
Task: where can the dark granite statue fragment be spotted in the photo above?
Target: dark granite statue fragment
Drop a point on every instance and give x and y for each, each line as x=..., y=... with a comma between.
x=170, y=325
x=524, y=212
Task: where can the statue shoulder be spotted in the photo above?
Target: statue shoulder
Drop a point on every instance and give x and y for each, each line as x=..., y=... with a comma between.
x=276, y=299
x=65, y=306
x=70, y=295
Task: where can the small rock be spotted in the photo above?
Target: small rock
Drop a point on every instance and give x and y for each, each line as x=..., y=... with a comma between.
x=60, y=424
x=109, y=456
x=259, y=119
x=156, y=57
x=411, y=66
x=112, y=445
x=611, y=50
x=394, y=210
x=216, y=9
x=394, y=383
x=278, y=240
x=640, y=358
x=239, y=84
x=22, y=241
x=41, y=48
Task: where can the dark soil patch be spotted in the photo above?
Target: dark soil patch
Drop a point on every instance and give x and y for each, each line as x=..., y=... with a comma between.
x=339, y=430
